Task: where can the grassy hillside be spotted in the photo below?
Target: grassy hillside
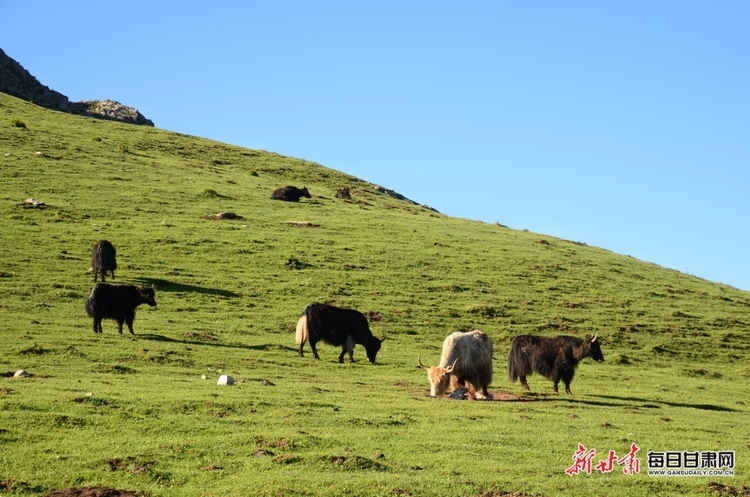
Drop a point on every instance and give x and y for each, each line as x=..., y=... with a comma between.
x=133, y=412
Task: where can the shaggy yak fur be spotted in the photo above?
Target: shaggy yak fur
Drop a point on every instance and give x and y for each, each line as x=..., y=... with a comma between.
x=335, y=326
x=555, y=358
x=290, y=194
x=466, y=361
x=116, y=302
x=103, y=259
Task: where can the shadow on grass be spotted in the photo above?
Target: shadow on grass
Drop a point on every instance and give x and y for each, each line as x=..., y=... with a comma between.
x=170, y=286
x=705, y=407
x=614, y=401
x=266, y=346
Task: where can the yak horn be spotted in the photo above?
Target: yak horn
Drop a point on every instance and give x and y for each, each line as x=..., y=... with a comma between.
x=595, y=337
x=383, y=339
x=450, y=369
x=419, y=359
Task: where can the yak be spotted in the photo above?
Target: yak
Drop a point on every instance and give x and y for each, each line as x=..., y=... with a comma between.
x=555, y=358
x=116, y=302
x=466, y=361
x=336, y=326
x=290, y=194
x=103, y=259
x=343, y=193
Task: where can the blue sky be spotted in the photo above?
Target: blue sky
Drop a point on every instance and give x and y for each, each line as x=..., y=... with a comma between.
x=624, y=125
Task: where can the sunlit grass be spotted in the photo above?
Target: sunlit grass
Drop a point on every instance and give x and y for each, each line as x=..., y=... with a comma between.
x=98, y=409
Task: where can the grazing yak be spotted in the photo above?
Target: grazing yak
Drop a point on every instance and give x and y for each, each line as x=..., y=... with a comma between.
x=290, y=194
x=555, y=358
x=335, y=326
x=466, y=361
x=103, y=259
x=116, y=302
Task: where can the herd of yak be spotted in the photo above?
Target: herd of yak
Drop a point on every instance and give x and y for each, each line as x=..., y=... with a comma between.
x=466, y=361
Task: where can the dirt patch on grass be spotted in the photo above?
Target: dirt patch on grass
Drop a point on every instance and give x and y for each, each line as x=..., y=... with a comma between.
x=131, y=464
x=500, y=395
x=503, y=493
x=729, y=490
x=497, y=396
x=353, y=463
x=302, y=224
x=94, y=492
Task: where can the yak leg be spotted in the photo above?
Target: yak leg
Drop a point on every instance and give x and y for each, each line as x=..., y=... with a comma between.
x=567, y=387
x=119, y=326
x=348, y=347
x=97, y=326
x=130, y=326
x=315, y=350
x=472, y=394
x=344, y=351
x=301, y=347
x=113, y=274
x=523, y=383
x=555, y=387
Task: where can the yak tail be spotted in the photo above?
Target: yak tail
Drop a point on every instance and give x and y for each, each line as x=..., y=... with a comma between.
x=516, y=362
x=302, y=335
x=90, y=306
x=512, y=375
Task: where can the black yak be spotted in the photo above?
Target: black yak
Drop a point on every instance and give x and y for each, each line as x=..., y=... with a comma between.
x=343, y=193
x=103, y=259
x=335, y=326
x=466, y=361
x=290, y=194
x=116, y=302
x=555, y=358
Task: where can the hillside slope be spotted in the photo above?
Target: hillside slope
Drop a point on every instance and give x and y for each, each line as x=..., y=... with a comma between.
x=230, y=292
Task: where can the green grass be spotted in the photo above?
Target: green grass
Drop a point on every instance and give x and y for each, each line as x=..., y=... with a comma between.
x=99, y=410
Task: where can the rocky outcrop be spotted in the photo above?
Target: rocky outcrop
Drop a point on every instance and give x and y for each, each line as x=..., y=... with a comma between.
x=110, y=109
x=17, y=81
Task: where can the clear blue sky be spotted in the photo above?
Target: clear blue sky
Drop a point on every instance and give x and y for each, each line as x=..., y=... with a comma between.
x=624, y=125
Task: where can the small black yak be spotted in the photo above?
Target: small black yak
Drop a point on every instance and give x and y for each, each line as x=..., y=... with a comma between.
x=103, y=259
x=343, y=193
x=116, y=302
x=555, y=358
x=290, y=194
x=466, y=359
x=335, y=326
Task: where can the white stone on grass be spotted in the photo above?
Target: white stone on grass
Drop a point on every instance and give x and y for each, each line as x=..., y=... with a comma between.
x=225, y=379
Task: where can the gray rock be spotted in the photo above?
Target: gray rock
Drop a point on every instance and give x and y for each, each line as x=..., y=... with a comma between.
x=17, y=81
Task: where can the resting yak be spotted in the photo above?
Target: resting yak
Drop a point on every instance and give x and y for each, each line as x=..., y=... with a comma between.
x=335, y=326
x=555, y=358
x=343, y=193
x=290, y=194
x=466, y=361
